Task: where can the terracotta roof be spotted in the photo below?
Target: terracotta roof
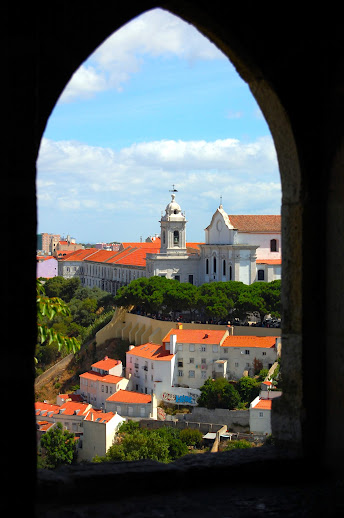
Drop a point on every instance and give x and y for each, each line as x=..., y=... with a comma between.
x=269, y=261
x=67, y=408
x=96, y=376
x=196, y=336
x=151, y=351
x=79, y=255
x=106, y=364
x=127, y=396
x=99, y=417
x=44, y=426
x=264, y=404
x=256, y=223
x=267, y=342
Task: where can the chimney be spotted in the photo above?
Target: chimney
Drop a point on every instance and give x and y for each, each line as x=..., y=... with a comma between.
x=173, y=344
x=230, y=330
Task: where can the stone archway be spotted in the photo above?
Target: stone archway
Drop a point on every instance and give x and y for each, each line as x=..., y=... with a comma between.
x=293, y=64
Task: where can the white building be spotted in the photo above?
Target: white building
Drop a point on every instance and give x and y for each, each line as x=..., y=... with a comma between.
x=175, y=370
x=133, y=404
x=99, y=431
x=104, y=378
x=260, y=416
x=239, y=248
x=244, y=248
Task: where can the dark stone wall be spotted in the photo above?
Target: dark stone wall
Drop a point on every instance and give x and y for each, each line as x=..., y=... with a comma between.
x=293, y=63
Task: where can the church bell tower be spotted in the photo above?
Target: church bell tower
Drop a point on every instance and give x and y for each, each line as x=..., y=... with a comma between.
x=173, y=231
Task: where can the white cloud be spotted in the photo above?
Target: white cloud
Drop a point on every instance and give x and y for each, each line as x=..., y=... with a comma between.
x=80, y=179
x=154, y=33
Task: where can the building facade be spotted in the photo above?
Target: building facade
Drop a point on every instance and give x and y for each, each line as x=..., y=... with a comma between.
x=245, y=248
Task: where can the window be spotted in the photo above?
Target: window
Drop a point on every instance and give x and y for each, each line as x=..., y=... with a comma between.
x=214, y=264
x=191, y=374
x=207, y=266
x=236, y=364
x=261, y=414
x=191, y=348
x=273, y=245
x=163, y=237
x=247, y=351
x=177, y=277
x=215, y=348
x=192, y=360
x=203, y=375
x=176, y=237
x=180, y=347
x=180, y=373
x=230, y=273
x=225, y=350
x=191, y=279
x=264, y=353
x=261, y=275
x=180, y=363
x=203, y=360
x=203, y=348
x=223, y=267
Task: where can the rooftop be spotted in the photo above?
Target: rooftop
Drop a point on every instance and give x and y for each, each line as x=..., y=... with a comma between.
x=266, y=342
x=96, y=376
x=151, y=351
x=196, y=336
x=256, y=223
x=106, y=364
x=126, y=396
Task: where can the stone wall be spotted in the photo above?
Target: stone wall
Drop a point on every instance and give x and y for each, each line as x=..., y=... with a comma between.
x=235, y=420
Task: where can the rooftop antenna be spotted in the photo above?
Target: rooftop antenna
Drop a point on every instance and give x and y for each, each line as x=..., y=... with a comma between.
x=173, y=190
x=221, y=200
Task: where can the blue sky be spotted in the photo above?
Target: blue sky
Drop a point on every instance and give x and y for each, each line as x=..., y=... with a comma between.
x=157, y=104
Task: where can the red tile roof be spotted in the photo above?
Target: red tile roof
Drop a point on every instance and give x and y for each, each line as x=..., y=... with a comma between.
x=106, y=364
x=96, y=376
x=151, y=351
x=196, y=336
x=269, y=261
x=99, y=417
x=264, y=404
x=79, y=255
x=256, y=223
x=127, y=396
x=267, y=342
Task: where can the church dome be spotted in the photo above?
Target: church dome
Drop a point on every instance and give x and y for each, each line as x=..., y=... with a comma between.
x=173, y=207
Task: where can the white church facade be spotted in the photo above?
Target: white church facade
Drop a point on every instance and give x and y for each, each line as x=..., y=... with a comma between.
x=246, y=254
x=245, y=248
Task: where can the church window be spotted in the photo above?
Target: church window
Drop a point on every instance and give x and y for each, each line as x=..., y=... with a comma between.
x=207, y=266
x=230, y=273
x=214, y=264
x=260, y=275
x=191, y=279
x=224, y=267
x=164, y=237
x=273, y=245
x=176, y=237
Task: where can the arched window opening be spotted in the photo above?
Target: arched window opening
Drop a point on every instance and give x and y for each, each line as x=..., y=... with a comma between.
x=273, y=245
x=207, y=266
x=176, y=238
x=224, y=267
x=214, y=265
x=261, y=275
x=230, y=272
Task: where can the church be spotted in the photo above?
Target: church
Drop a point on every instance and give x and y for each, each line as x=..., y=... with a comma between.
x=245, y=248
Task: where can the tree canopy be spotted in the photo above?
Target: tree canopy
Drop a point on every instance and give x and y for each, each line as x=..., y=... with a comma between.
x=218, y=301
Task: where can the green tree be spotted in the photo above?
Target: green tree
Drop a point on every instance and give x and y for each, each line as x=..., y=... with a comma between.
x=218, y=393
x=47, y=308
x=58, y=447
x=191, y=437
x=248, y=388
